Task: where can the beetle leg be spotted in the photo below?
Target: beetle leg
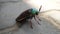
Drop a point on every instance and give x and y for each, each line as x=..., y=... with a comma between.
x=38, y=18
x=30, y=23
x=37, y=21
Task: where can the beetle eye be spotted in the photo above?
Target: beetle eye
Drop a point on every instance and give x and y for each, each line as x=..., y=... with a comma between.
x=36, y=13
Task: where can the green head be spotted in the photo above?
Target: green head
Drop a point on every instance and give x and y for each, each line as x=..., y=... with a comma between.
x=34, y=11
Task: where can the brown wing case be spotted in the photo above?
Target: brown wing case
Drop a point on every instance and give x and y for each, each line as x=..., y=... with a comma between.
x=23, y=15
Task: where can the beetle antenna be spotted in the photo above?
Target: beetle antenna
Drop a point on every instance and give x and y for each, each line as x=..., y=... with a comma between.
x=40, y=7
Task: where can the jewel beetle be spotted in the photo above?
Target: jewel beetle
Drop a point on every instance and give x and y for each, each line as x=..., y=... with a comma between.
x=27, y=15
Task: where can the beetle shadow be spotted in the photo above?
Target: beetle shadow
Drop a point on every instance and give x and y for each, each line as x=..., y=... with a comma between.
x=26, y=28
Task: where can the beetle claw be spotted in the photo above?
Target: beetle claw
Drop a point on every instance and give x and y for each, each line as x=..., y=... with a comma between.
x=31, y=27
x=39, y=23
x=40, y=19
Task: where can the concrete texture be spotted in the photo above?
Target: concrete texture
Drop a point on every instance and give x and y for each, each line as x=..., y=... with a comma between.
x=7, y=0
x=10, y=10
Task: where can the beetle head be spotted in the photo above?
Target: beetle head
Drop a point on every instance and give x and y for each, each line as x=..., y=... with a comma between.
x=35, y=11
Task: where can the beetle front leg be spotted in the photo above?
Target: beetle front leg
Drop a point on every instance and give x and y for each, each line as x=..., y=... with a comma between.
x=38, y=18
x=37, y=21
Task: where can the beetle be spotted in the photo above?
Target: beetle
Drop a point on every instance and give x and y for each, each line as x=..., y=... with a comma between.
x=27, y=15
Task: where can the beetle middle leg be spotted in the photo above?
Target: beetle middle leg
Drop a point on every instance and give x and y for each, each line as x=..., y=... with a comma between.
x=30, y=23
